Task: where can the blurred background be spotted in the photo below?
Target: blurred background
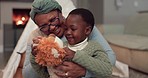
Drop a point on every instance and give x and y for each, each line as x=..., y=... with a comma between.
x=14, y=15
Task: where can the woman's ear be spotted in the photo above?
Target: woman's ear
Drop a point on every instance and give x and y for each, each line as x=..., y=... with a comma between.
x=88, y=30
x=62, y=18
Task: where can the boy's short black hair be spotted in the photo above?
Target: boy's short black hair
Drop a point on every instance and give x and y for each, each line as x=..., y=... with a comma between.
x=85, y=14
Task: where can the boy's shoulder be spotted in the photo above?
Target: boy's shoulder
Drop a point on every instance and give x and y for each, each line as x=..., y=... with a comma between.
x=93, y=43
x=90, y=42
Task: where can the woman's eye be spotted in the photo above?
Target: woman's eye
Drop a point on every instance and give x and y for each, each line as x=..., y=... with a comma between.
x=52, y=20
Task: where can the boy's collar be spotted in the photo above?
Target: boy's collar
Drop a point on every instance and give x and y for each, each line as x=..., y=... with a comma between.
x=78, y=46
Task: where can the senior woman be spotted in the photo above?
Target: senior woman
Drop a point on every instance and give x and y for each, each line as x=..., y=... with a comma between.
x=47, y=14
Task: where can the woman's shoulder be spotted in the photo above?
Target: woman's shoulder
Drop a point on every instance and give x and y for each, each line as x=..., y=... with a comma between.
x=36, y=33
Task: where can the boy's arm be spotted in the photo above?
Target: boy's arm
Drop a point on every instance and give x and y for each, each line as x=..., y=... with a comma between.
x=94, y=60
x=41, y=70
x=97, y=36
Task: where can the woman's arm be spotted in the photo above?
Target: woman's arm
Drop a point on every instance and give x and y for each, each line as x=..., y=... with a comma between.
x=41, y=70
x=18, y=73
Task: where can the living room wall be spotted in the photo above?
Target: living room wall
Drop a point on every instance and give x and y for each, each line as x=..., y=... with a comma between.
x=118, y=11
x=6, y=16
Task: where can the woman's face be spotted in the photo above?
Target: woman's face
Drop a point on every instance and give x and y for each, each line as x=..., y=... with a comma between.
x=76, y=30
x=51, y=23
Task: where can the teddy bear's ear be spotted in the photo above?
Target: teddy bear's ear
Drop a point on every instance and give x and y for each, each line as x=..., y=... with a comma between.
x=59, y=41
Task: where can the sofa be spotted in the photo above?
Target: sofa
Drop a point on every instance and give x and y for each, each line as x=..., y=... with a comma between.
x=130, y=41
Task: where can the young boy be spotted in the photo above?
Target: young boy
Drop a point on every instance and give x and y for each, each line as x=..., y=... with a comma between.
x=79, y=49
x=87, y=53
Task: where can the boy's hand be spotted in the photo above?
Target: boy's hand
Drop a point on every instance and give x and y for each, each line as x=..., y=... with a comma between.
x=69, y=54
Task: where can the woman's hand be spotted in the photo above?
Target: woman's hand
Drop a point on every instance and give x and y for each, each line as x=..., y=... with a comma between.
x=70, y=70
x=34, y=45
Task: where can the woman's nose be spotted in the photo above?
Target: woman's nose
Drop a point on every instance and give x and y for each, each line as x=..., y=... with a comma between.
x=52, y=28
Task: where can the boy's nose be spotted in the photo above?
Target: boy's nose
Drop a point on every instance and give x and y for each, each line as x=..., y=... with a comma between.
x=68, y=31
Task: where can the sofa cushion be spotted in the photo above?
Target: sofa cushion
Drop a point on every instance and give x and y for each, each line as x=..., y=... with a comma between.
x=134, y=58
x=137, y=25
x=128, y=41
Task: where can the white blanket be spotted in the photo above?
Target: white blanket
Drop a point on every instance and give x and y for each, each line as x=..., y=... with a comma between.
x=121, y=70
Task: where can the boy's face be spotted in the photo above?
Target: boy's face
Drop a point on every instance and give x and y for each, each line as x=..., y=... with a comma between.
x=76, y=30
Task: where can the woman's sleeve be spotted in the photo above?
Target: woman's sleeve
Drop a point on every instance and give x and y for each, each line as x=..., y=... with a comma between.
x=97, y=36
x=41, y=70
